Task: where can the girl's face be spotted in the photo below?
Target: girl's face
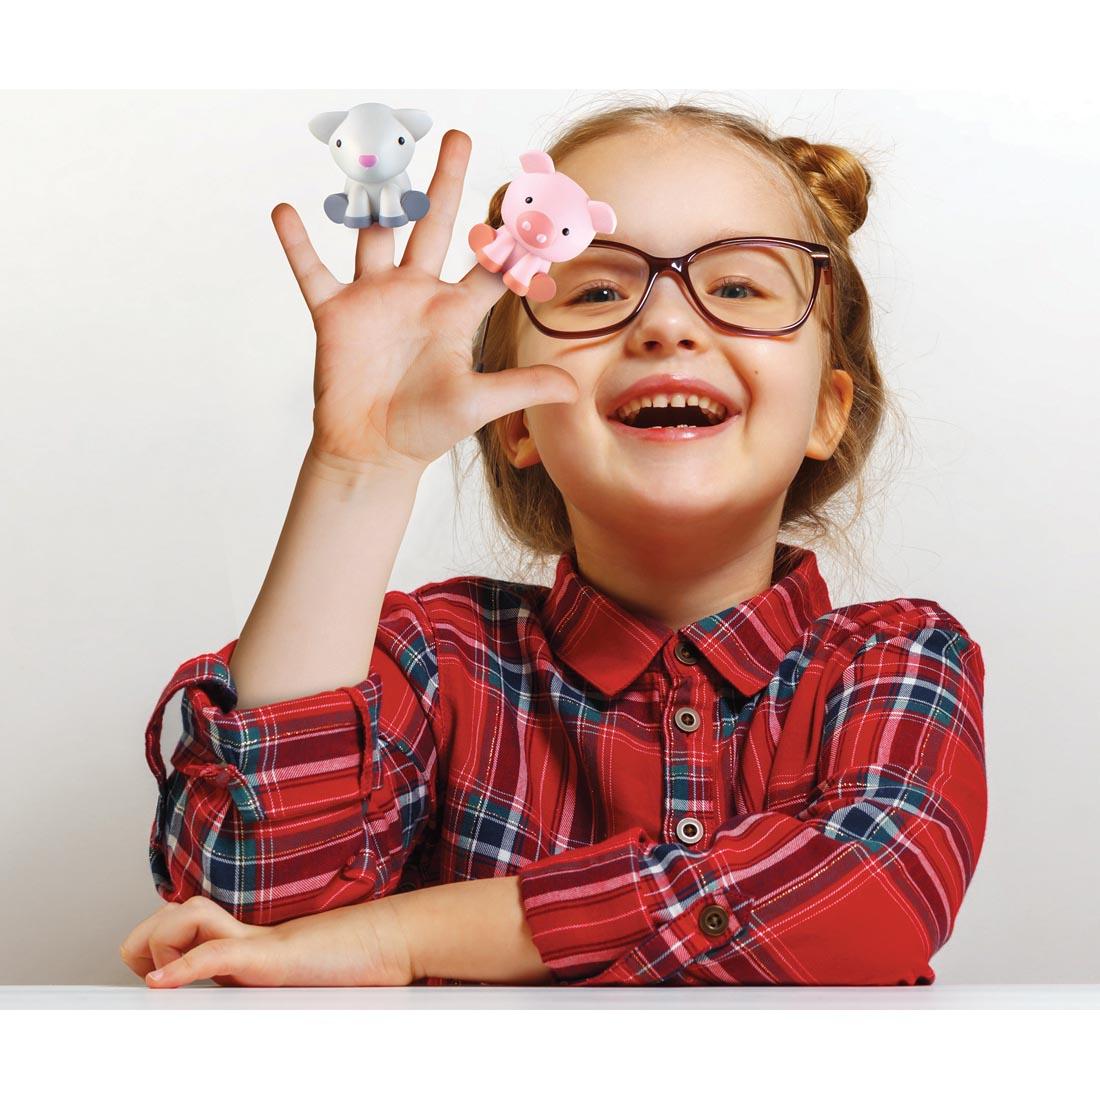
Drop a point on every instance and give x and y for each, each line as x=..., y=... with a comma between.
x=671, y=194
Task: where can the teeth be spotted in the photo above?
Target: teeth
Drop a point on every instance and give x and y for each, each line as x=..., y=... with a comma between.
x=713, y=409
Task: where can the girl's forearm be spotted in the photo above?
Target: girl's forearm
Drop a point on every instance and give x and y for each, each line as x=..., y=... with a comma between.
x=475, y=931
x=314, y=622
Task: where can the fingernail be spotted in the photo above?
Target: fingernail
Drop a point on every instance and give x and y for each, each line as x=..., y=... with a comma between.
x=156, y=975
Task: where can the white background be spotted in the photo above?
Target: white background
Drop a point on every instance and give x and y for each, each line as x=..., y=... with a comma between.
x=157, y=358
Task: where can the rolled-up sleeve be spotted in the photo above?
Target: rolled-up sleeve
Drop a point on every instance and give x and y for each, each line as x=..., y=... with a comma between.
x=306, y=804
x=860, y=887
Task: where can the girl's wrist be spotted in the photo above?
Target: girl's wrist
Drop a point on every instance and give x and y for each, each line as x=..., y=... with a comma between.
x=472, y=931
x=353, y=472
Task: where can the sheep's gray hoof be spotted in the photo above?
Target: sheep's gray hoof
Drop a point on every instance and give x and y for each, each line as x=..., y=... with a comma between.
x=415, y=204
x=394, y=222
x=335, y=205
x=358, y=223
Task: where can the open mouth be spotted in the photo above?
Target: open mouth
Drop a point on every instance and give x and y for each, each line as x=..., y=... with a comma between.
x=672, y=422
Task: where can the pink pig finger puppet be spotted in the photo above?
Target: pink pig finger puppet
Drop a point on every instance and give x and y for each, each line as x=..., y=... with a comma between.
x=547, y=218
x=372, y=144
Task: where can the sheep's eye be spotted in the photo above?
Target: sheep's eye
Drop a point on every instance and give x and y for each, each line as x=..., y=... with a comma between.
x=400, y=141
x=565, y=232
x=529, y=199
x=338, y=143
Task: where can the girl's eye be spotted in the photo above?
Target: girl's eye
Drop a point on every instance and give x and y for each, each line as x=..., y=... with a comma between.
x=734, y=284
x=581, y=296
x=529, y=199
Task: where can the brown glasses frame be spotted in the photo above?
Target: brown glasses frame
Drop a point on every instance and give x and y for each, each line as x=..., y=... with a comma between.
x=678, y=265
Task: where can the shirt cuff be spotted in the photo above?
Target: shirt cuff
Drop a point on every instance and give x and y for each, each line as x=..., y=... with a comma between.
x=586, y=907
x=297, y=756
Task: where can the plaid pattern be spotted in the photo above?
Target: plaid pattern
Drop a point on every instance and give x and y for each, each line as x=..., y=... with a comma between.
x=832, y=761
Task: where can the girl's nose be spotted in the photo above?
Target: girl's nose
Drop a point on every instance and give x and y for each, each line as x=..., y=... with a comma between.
x=368, y=160
x=669, y=313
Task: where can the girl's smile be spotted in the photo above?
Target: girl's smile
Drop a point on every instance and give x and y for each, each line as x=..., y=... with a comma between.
x=673, y=434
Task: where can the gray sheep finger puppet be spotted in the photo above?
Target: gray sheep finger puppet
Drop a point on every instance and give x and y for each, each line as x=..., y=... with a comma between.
x=547, y=218
x=373, y=144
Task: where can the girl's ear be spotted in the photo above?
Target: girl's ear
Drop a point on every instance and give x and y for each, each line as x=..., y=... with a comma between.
x=603, y=217
x=516, y=439
x=832, y=416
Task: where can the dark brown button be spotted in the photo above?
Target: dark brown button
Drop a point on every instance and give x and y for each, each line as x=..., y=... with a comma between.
x=687, y=718
x=685, y=654
x=713, y=920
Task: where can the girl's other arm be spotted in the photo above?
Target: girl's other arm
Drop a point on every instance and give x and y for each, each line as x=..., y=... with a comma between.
x=314, y=622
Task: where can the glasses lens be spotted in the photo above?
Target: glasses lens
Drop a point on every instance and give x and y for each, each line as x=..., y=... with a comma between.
x=765, y=286
x=595, y=289
x=759, y=286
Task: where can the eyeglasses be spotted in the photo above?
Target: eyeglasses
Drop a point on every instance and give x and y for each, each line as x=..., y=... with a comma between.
x=755, y=286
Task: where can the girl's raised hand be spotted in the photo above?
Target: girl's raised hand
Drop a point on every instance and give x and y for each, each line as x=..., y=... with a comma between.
x=359, y=945
x=393, y=381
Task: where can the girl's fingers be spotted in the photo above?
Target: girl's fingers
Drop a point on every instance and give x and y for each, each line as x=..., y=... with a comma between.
x=173, y=929
x=135, y=948
x=221, y=957
x=502, y=392
x=479, y=290
x=373, y=249
x=427, y=245
x=317, y=283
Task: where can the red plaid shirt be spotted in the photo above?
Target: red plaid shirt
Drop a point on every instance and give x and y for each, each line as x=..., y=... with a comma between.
x=780, y=793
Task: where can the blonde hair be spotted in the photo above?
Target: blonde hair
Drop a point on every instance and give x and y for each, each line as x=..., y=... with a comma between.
x=830, y=185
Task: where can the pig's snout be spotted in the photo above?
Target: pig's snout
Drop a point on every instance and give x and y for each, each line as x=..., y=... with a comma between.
x=535, y=229
x=368, y=160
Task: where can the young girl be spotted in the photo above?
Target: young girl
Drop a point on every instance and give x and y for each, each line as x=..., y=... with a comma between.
x=676, y=764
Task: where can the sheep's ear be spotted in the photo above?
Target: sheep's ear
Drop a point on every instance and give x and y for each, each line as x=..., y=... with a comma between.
x=323, y=126
x=418, y=123
x=603, y=217
x=535, y=160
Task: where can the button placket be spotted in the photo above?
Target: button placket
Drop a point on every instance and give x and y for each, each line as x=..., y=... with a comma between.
x=688, y=720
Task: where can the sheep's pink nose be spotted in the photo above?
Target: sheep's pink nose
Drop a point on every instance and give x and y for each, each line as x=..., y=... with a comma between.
x=368, y=160
x=535, y=228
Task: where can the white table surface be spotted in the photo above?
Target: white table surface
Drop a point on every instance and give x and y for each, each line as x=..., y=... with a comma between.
x=208, y=995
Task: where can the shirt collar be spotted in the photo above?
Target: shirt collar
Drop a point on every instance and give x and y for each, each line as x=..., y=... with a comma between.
x=610, y=646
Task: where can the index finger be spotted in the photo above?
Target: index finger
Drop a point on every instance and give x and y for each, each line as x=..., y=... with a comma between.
x=136, y=944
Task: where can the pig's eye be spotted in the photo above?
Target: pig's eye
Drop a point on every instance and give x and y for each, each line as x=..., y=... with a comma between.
x=565, y=232
x=529, y=199
x=400, y=141
x=338, y=143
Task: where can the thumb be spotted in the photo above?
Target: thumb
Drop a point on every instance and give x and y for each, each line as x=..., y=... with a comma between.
x=522, y=387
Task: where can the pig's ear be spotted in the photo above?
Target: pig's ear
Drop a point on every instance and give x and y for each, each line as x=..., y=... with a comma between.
x=535, y=160
x=322, y=127
x=418, y=123
x=603, y=217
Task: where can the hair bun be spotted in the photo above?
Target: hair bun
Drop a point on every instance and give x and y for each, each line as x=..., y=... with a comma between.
x=838, y=180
